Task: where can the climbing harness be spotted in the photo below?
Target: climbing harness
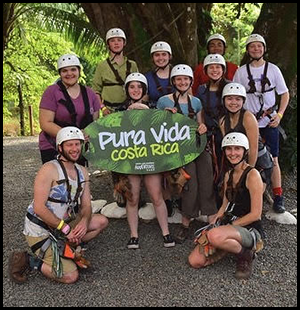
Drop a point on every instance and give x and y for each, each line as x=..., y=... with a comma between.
x=68, y=103
x=120, y=81
x=57, y=240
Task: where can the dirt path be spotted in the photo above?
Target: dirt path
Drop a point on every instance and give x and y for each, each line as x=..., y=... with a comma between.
x=152, y=276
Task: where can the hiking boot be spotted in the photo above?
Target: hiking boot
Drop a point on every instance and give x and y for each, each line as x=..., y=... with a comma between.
x=278, y=205
x=18, y=264
x=244, y=264
x=168, y=241
x=182, y=234
x=133, y=243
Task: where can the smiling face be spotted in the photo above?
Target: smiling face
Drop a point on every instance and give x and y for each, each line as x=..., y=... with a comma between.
x=256, y=49
x=182, y=82
x=233, y=103
x=214, y=71
x=135, y=90
x=161, y=59
x=71, y=150
x=234, y=153
x=69, y=75
x=216, y=46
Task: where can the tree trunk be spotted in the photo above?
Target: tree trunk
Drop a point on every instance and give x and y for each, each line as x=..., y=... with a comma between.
x=8, y=21
x=145, y=23
x=277, y=23
x=21, y=109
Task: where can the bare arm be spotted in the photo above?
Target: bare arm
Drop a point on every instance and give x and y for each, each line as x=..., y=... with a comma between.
x=85, y=211
x=221, y=125
x=284, y=101
x=46, y=118
x=42, y=185
x=252, y=132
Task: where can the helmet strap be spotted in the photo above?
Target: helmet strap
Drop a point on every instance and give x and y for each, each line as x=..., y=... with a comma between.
x=242, y=159
x=162, y=68
x=116, y=54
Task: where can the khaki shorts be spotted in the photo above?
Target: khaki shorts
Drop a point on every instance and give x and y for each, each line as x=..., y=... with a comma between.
x=67, y=264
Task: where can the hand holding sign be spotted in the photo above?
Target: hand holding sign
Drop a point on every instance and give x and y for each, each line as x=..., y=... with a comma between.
x=143, y=141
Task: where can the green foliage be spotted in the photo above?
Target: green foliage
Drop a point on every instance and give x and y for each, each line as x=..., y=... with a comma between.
x=235, y=22
x=41, y=34
x=288, y=148
x=33, y=67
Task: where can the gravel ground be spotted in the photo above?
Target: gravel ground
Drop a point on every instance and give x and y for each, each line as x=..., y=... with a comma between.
x=151, y=276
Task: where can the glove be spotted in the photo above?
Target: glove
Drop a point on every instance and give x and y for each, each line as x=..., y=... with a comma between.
x=122, y=188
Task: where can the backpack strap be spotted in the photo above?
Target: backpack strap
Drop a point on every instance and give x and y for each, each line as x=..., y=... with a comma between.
x=191, y=113
x=116, y=73
x=265, y=79
x=251, y=80
x=239, y=126
x=231, y=192
x=72, y=203
x=158, y=85
x=67, y=102
x=88, y=118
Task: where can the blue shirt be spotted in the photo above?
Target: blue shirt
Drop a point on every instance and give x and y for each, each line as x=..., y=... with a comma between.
x=166, y=102
x=212, y=107
x=153, y=93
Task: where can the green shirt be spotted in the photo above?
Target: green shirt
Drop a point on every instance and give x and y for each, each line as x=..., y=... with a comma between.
x=104, y=74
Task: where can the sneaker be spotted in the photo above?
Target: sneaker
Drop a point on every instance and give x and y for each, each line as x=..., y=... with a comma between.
x=18, y=264
x=278, y=205
x=182, y=234
x=133, y=243
x=244, y=264
x=168, y=241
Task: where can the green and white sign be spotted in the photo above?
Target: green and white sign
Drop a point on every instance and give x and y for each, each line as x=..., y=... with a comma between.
x=143, y=141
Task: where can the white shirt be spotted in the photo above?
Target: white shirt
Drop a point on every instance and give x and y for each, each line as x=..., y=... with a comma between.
x=252, y=102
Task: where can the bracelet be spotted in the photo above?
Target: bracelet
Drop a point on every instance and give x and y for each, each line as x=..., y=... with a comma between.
x=66, y=229
x=104, y=108
x=280, y=115
x=60, y=225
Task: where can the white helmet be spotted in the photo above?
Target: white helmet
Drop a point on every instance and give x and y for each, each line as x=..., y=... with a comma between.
x=235, y=138
x=68, y=133
x=214, y=59
x=136, y=76
x=161, y=46
x=216, y=36
x=67, y=60
x=182, y=70
x=234, y=89
x=256, y=38
x=115, y=33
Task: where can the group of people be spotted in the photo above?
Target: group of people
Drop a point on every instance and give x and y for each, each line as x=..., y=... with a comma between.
x=235, y=108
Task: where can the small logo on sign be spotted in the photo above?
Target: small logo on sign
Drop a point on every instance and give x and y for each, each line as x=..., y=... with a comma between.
x=145, y=166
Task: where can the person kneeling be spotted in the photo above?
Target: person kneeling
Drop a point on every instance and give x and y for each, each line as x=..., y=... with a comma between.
x=236, y=228
x=59, y=220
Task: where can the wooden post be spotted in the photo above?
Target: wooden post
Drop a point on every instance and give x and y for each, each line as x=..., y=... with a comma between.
x=31, y=120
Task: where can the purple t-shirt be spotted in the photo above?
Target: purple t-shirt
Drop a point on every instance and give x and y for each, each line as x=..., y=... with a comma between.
x=50, y=101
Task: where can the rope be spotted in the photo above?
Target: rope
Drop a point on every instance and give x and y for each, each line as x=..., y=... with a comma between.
x=57, y=267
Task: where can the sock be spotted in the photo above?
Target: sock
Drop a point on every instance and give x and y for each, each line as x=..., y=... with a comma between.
x=35, y=263
x=277, y=191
